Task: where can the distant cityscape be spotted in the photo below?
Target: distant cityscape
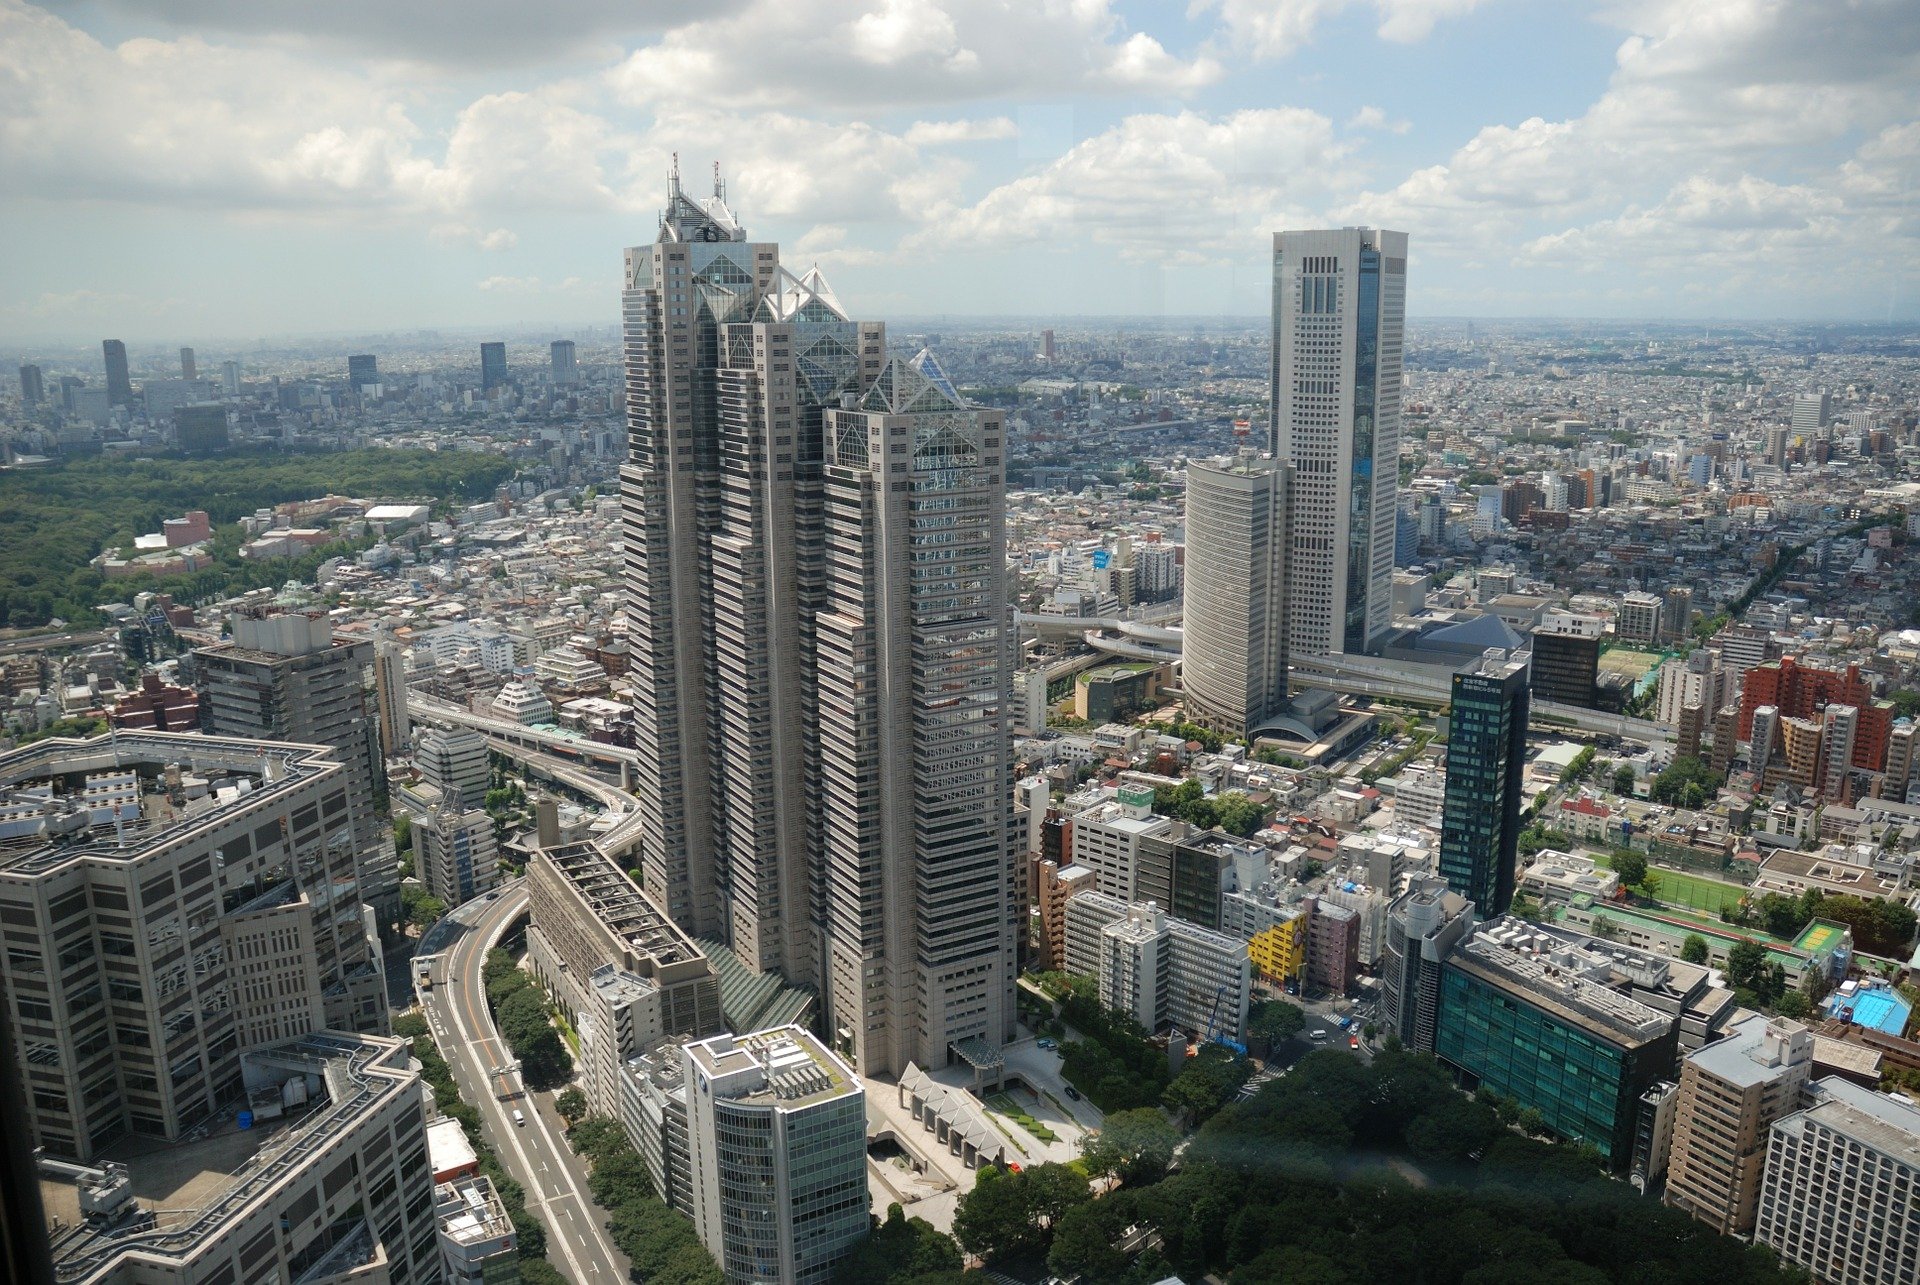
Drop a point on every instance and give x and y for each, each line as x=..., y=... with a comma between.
x=757, y=794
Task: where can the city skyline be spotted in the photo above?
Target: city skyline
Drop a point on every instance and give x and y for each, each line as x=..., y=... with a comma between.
x=1646, y=160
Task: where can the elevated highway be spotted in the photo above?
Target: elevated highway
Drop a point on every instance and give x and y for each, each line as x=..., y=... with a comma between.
x=518, y=735
x=529, y=747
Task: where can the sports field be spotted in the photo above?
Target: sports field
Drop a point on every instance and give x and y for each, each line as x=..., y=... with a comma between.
x=1691, y=891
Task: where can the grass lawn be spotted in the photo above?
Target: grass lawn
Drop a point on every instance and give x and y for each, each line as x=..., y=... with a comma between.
x=1687, y=891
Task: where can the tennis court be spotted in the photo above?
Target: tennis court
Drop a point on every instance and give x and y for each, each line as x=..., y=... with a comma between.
x=1818, y=936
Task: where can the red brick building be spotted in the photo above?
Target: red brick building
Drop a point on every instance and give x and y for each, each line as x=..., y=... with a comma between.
x=158, y=707
x=1801, y=691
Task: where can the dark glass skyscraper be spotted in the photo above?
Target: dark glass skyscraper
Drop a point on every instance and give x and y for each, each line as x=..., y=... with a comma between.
x=563, y=363
x=493, y=366
x=364, y=368
x=1486, y=754
x=33, y=389
x=119, y=386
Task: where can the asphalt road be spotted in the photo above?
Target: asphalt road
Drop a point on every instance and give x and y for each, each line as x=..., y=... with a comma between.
x=535, y=1153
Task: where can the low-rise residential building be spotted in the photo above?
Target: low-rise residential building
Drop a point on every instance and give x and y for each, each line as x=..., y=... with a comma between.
x=1160, y=970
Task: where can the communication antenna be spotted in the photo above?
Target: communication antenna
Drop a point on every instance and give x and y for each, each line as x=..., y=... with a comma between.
x=719, y=184
x=674, y=175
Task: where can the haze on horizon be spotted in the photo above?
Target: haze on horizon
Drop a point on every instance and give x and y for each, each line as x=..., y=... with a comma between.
x=204, y=168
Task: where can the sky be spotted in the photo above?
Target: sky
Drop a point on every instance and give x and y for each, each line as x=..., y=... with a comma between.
x=193, y=169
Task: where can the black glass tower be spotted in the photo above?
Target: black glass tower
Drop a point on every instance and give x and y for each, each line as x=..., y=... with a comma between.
x=1486, y=755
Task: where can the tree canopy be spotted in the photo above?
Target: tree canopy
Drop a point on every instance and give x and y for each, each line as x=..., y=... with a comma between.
x=54, y=520
x=1687, y=782
x=1346, y=1172
x=900, y=1251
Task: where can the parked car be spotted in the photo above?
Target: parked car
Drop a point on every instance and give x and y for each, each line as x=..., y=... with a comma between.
x=1046, y=1043
x=1073, y=1093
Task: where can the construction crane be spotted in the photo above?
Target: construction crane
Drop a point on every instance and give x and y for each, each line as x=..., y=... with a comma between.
x=1215, y=1035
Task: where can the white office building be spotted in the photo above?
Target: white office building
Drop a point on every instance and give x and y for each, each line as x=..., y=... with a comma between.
x=454, y=762
x=458, y=857
x=1234, y=673
x=1107, y=838
x=1841, y=1195
x=777, y=1152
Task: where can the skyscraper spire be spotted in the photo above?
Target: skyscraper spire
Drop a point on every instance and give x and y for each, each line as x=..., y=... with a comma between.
x=719, y=184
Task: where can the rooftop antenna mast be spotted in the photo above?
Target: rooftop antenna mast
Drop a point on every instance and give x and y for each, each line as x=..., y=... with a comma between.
x=674, y=175
x=719, y=184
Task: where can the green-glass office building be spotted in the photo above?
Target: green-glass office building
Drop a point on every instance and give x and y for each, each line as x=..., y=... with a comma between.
x=1486, y=755
x=1580, y=1054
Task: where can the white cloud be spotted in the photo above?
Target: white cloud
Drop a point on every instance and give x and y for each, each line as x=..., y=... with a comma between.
x=493, y=33
x=1276, y=28
x=1720, y=137
x=191, y=122
x=815, y=53
x=903, y=31
x=186, y=122
x=1179, y=188
x=510, y=285
x=1376, y=119
x=938, y=133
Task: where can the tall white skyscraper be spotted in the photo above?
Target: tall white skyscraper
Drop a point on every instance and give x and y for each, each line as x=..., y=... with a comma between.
x=817, y=627
x=1339, y=311
x=1811, y=414
x=390, y=693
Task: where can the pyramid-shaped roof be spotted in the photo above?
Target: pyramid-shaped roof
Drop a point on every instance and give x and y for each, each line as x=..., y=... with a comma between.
x=807, y=297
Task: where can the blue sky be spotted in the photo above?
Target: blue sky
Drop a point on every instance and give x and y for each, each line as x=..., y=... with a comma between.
x=201, y=169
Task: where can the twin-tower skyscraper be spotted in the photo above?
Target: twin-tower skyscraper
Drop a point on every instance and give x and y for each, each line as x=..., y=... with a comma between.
x=820, y=646
x=820, y=640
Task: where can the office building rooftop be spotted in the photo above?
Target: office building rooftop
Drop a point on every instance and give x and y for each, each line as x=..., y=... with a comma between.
x=618, y=904
x=1564, y=976
x=166, y=1201
x=786, y=1067
x=125, y=793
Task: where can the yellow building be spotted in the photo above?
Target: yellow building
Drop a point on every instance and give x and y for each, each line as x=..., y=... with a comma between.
x=1280, y=952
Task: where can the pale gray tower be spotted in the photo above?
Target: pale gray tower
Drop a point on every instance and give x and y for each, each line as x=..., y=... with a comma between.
x=700, y=273
x=764, y=624
x=1339, y=310
x=915, y=678
x=1235, y=636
